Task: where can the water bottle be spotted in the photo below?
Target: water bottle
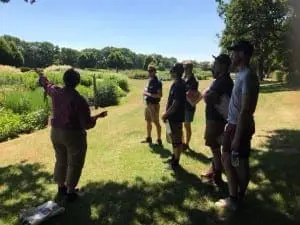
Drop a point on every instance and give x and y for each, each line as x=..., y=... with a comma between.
x=235, y=161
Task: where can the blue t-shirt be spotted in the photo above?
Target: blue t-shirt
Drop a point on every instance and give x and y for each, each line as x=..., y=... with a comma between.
x=245, y=83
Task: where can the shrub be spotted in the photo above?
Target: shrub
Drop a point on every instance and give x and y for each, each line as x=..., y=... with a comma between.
x=107, y=93
x=86, y=80
x=9, y=124
x=87, y=92
x=120, y=80
x=34, y=120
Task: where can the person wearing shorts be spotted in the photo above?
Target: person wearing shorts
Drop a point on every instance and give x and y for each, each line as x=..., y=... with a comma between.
x=215, y=121
x=175, y=113
x=240, y=127
x=191, y=83
x=152, y=95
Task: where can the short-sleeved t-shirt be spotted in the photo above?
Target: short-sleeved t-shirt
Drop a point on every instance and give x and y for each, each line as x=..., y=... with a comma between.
x=245, y=83
x=191, y=84
x=222, y=86
x=154, y=85
x=177, y=92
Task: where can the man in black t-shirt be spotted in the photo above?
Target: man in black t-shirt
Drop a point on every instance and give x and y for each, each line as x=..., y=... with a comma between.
x=217, y=100
x=175, y=112
x=152, y=95
x=191, y=84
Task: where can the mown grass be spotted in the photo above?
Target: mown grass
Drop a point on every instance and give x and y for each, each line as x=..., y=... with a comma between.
x=126, y=182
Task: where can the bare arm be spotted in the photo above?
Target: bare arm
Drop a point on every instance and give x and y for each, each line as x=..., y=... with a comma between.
x=50, y=88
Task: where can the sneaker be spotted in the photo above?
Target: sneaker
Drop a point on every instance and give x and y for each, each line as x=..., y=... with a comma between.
x=72, y=197
x=227, y=203
x=159, y=142
x=147, y=140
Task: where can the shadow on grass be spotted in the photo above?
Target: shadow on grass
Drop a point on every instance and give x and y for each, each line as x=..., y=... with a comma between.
x=22, y=185
x=161, y=150
x=284, y=140
x=198, y=156
x=183, y=200
x=272, y=86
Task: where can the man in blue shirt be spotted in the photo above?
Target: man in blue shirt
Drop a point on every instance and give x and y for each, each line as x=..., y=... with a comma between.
x=240, y=127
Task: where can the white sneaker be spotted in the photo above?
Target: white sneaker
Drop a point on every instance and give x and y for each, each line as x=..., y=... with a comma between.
x=227, y=203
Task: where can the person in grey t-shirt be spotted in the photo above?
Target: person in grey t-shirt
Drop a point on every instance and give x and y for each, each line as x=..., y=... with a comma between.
x=240, y=127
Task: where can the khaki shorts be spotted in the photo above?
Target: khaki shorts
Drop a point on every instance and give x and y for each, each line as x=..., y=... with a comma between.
x=152, y=113
x=214, y=133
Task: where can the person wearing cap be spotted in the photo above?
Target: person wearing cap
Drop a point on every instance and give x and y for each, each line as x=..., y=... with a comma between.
x=174, y=113
x=218, y=94
x=71, y=117
x=191, y=84
x=240, y=127
x=153, y=94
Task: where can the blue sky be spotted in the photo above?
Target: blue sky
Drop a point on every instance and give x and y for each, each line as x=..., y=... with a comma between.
x=185, y=29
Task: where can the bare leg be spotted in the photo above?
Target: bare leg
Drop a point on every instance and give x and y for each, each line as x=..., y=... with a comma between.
x=158, y=129
x=243, y=173
x=149, y=128
x=231, y=175
x=188, y=132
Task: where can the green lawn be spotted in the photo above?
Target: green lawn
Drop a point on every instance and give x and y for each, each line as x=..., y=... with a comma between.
x=127, y=183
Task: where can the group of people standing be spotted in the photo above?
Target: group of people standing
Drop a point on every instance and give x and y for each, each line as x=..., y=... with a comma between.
x=229, y=120
x=229, y=116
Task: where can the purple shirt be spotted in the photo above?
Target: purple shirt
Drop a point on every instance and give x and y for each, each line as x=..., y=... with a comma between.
x=70, y=109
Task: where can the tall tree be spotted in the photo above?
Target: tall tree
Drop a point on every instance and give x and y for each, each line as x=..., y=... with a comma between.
x=69, y=56
x=263, y=22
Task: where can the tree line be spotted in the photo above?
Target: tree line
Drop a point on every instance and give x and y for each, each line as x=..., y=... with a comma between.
x=16, y=52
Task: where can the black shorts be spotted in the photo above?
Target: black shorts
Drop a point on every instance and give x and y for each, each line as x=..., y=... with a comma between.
x=245, y=142
x=177, y=133
x=213, y=133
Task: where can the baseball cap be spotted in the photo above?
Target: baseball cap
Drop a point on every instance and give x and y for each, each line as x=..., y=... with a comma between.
x=244, y=46
x=223, y=59
x=177, y=68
